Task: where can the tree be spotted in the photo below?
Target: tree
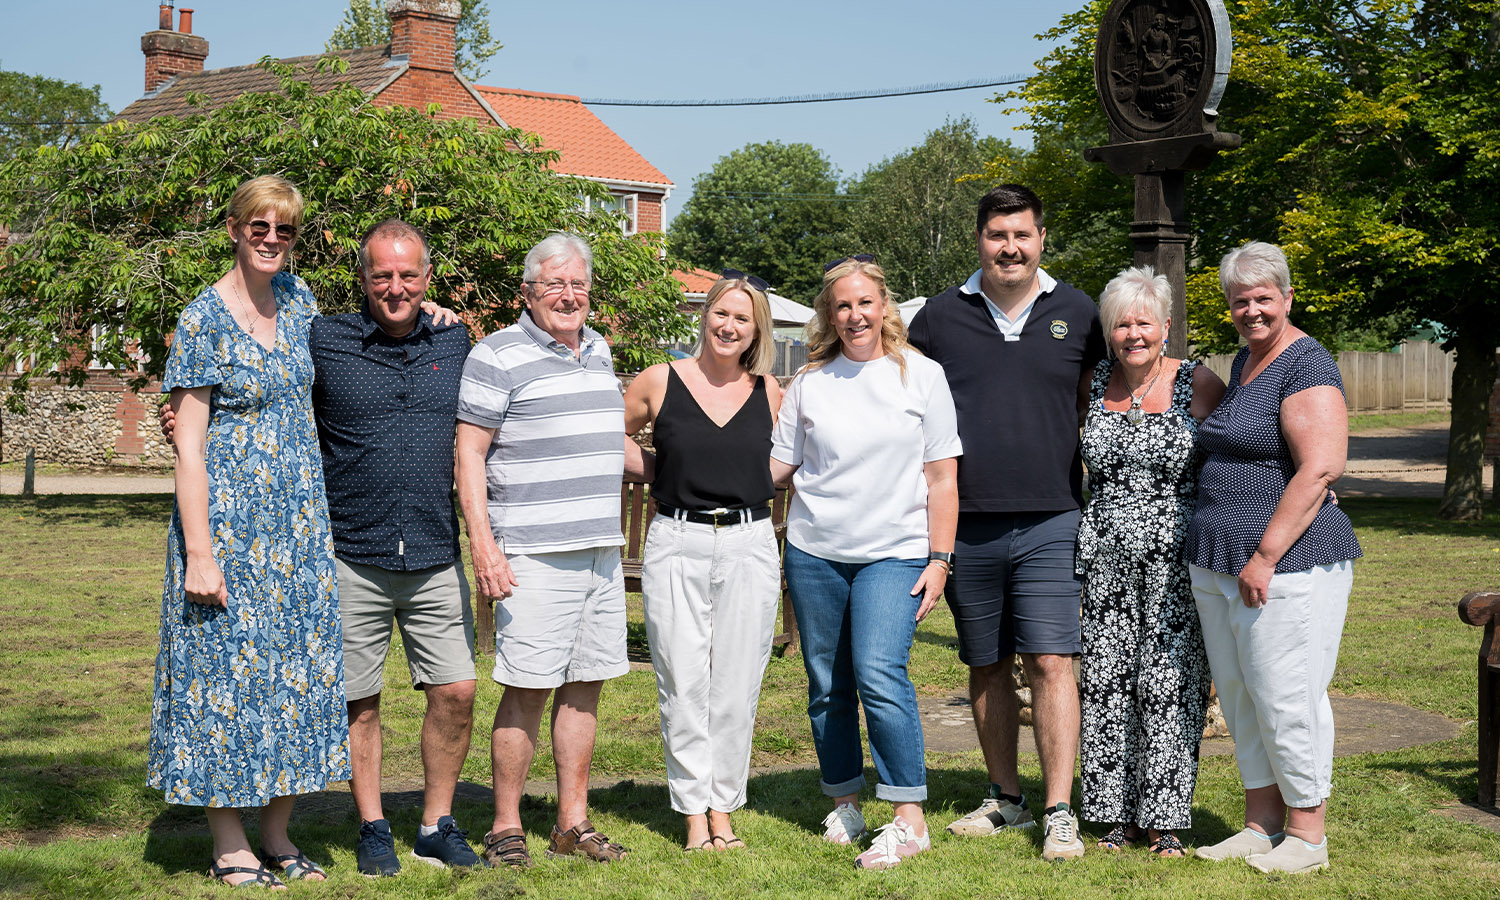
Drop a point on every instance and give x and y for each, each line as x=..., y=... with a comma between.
x=915, y=211
x=1370, y=153
x=124, y=227
x=36, y=111
x=365, y=24
x=772, y=210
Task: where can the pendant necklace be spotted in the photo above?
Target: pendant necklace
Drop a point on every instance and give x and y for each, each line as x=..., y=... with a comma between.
x=245, y=310
x=1134, y=415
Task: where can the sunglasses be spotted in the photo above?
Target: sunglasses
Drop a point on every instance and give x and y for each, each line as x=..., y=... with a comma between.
x=259, y=228
x=736, y=275
x=859, y=257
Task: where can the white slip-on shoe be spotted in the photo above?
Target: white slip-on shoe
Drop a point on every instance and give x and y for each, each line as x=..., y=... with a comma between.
x=1292, y=856
x=1241, y=845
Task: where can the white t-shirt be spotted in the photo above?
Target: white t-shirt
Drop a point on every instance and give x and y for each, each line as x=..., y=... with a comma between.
x=860, y=438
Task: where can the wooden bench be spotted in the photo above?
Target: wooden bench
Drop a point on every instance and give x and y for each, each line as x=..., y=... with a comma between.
x=1482, y=608
x=636, y=510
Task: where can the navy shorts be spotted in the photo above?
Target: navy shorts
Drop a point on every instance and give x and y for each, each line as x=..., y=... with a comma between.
x=1013, y=589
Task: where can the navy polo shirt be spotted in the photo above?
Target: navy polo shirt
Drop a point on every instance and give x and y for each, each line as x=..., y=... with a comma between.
x=386, y=409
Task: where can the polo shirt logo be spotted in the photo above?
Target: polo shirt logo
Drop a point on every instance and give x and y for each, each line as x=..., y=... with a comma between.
x=1059, y=329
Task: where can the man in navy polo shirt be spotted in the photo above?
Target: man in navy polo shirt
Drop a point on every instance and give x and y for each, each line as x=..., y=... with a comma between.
x=385, y=397
x=1017, y=346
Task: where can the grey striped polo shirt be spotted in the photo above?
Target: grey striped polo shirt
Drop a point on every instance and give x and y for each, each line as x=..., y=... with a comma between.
x=554, y=467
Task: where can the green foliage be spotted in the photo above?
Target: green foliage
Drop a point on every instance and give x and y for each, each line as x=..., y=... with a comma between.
x=37, y=111
x=773, y=210
x=915, y=211
x=366, y=24
x=124, y=227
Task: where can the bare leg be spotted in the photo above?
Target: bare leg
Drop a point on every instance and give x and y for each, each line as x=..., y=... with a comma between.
x=446, y=729
x=698, y=833
x=1054, y=699
x=997, y=719
x=1265, y=812
x=231, y=847
x=512, y=745
x=274, y=817
x=1306, y=823
x=574, y=721
x=365, y=751
x=912, y=813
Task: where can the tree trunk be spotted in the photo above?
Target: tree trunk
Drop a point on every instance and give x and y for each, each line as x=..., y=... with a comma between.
x=1474, y=373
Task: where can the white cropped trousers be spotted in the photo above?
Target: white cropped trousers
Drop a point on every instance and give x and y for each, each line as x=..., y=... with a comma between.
x=1272, y=667
x=710, y=602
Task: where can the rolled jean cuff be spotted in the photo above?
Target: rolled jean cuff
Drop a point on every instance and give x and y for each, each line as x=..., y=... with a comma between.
x=844, y=788
x=914, y=794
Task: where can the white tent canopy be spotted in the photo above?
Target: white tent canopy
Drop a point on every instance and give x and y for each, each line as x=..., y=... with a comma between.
x=908, y=310
x=783, y=311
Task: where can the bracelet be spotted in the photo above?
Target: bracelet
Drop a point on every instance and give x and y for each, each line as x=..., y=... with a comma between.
x=940, y=557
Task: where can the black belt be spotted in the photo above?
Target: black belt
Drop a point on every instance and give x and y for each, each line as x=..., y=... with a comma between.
x=716, y=517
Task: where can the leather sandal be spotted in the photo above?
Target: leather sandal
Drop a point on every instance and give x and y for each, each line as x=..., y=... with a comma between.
x=507, y=848
x=1167, y=846
x=1119, y=838
x=728, y=843
x=263, y=877
x=293, y=866
x=583, y=840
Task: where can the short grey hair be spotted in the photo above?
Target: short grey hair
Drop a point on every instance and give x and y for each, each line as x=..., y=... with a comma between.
x=559, y=244
x=1252, y=264
x=1138, y=289
x=394, y=230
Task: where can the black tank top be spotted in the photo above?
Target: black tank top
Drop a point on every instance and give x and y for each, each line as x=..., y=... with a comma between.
x=700, y=466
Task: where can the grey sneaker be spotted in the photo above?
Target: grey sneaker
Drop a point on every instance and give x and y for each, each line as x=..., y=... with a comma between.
x=992, y=817
x=844, y=825
x=1243, y=844
x=448, y=846
x=1060, y=839
x=1292, y=856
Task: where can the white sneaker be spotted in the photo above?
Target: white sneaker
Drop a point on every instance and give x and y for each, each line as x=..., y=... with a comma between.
x=893, y=843
x=992, y=817
x=1243, y=844
x=1060, y=834
x=844, y=825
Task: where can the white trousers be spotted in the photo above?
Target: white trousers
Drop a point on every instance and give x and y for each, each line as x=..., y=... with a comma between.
x=710, y=602
x=1272, y=667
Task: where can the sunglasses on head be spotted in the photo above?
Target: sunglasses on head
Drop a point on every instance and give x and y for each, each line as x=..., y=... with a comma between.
x=858, y=257
x=736, y=275
x=259, y=228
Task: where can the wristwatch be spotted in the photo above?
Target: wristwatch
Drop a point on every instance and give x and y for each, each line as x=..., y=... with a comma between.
x=944, y=558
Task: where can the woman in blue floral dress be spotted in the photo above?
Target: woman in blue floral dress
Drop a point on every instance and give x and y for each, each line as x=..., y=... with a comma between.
x=249, y=708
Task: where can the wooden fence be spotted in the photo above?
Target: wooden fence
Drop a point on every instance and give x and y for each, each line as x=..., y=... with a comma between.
x=1416, y=375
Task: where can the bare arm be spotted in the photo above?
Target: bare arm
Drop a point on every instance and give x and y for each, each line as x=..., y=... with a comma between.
x=781, y=472
x=642, y=402
x=492, y=574
x=1315, y=424
x=203, y=581
x=773, y=395
x=639, y=465
x=942, y=523
x=1208, y=390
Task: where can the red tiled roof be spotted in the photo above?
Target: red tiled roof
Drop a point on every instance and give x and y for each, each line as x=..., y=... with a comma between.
x=370, y=69
x=695, y=281
x=587, y=146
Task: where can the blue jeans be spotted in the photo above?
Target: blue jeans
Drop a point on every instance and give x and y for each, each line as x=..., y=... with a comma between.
x=857, y=621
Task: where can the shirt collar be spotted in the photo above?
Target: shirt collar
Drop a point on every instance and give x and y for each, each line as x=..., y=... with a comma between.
x=368, y=325
x=586, y=337
x=1044, y=281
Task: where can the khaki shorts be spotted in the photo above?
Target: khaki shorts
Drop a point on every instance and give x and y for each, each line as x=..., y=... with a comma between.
x=564, y=622
x=430, y=606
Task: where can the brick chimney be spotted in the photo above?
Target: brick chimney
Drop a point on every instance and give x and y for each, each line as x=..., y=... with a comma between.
x=170, y=53
x=424, y=31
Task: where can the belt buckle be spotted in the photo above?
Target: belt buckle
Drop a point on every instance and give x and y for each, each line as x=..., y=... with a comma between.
x=720, y=511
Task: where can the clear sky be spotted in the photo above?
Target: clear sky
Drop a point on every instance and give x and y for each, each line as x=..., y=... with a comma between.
x=646, y=49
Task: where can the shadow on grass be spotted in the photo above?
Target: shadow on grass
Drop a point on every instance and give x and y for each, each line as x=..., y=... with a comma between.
x=104, y=510
x=1410, y=515
x=58, y=793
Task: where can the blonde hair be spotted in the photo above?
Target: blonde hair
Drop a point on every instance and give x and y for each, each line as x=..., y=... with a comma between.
x=266, y=193
x=760, y=357
x=823, y=338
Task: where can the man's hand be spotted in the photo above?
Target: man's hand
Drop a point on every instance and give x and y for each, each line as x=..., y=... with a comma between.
x=492, y=571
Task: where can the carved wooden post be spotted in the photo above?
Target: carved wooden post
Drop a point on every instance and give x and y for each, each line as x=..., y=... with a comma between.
x=1160, y=68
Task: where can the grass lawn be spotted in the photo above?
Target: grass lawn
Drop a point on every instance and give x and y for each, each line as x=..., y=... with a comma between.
x=80, y=583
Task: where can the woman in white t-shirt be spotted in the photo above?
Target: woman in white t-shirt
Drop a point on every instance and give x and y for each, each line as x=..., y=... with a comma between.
x=868, y=436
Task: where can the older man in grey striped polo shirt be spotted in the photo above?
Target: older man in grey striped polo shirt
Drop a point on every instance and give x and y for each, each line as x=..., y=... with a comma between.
x=540, y=450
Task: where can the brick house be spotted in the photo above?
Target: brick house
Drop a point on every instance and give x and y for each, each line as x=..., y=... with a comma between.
x=104, y=422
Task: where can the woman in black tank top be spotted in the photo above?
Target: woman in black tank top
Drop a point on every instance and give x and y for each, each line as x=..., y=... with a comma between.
x=711, y=573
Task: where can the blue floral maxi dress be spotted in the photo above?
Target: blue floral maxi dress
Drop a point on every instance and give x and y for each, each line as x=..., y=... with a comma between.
x=249, y=700
x=1145, y=674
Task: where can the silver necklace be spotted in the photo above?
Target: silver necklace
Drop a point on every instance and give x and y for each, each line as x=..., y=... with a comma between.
x=1134, y=415
x=244, y=308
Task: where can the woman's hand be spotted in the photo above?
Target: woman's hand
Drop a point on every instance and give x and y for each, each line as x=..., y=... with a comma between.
x=203, y=583
x=930, y=587
x=166, y=419
x=441, y=315
x=1255, y=581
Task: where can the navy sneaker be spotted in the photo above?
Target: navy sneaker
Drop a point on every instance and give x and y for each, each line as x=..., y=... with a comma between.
x=446, y=846
x=377, y=849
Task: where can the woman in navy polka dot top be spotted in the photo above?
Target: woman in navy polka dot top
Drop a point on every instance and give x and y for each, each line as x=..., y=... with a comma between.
x=1271, y=559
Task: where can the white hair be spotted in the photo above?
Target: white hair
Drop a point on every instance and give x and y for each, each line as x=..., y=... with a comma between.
x=559, y=244
x=1138, y=289
x=1252, y=264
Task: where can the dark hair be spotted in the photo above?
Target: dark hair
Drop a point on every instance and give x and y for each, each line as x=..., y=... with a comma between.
x=395, y=229
x=1007, y=199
